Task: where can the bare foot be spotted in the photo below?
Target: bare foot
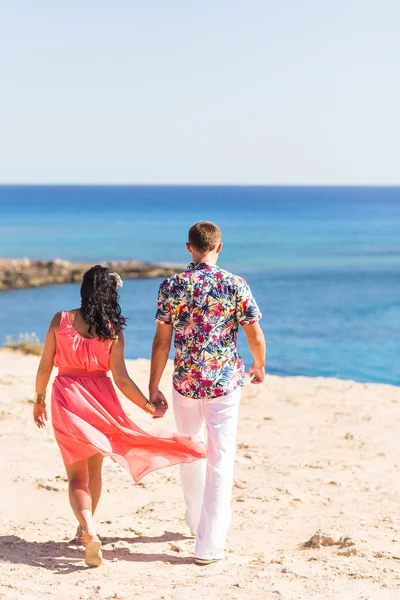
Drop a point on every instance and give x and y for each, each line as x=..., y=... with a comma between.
x=91, y=536
x=80, y=537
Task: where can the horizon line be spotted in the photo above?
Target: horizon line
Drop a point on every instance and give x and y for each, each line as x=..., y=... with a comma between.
x=271, y=185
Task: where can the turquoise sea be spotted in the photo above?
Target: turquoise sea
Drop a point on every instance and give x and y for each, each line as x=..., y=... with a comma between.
x=323, y=263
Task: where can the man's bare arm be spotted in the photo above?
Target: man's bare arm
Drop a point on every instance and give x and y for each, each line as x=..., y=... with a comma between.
x=159, y=357
x=257, y=346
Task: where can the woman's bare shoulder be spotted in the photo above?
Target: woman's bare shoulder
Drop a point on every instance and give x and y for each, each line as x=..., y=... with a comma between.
x=118, y=342
x=73, y=312
x=56, y=320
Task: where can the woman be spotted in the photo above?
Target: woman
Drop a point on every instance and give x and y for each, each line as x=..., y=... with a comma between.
x=88, y=420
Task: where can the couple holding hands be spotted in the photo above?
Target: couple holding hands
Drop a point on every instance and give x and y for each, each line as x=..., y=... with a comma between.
x=203, y=307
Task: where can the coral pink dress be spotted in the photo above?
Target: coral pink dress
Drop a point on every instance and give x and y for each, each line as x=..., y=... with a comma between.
x=88, y=418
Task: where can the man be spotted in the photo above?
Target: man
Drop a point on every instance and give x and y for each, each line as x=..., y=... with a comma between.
x=204, y=305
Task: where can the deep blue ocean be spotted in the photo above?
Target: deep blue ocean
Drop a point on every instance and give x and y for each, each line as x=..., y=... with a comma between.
x=323, y=263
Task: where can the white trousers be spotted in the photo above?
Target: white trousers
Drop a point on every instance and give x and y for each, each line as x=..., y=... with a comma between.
x=207, y=483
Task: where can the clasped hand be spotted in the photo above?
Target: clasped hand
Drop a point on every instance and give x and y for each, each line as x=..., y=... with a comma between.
x=160, y=402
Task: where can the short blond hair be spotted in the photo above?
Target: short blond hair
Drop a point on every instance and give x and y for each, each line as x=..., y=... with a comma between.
x=204, y=236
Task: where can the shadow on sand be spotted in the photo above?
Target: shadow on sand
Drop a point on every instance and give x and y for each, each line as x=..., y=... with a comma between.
x=67, y=557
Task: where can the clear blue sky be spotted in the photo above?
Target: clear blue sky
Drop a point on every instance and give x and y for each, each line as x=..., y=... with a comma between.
x=210, y=91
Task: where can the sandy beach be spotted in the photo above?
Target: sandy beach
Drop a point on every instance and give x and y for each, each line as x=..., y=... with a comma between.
x=314, y=455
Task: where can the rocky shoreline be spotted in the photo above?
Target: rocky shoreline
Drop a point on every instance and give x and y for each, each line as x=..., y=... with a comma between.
x=27, y=273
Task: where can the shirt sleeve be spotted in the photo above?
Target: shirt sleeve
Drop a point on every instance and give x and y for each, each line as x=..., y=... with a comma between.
x=247, y=311
x=163, y=314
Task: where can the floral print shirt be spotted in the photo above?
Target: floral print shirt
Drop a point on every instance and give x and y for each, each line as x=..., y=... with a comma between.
x=205, y=306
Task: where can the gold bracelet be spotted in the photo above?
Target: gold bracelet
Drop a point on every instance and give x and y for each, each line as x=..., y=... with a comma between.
x=40, y=398
x=149, y=407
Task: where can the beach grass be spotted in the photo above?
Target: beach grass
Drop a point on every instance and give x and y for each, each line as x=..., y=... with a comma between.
x=27, y=343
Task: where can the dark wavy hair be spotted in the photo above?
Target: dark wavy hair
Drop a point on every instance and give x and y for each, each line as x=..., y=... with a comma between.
x=99, y=303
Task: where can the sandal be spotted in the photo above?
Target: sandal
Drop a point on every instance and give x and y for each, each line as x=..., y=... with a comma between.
x=93, y=555
x=206, y=561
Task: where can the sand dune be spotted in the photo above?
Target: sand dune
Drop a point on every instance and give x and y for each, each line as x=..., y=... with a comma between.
x=316, y=502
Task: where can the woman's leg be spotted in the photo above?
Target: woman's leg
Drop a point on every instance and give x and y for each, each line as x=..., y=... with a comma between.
x=95, y=464
x=80, y=497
